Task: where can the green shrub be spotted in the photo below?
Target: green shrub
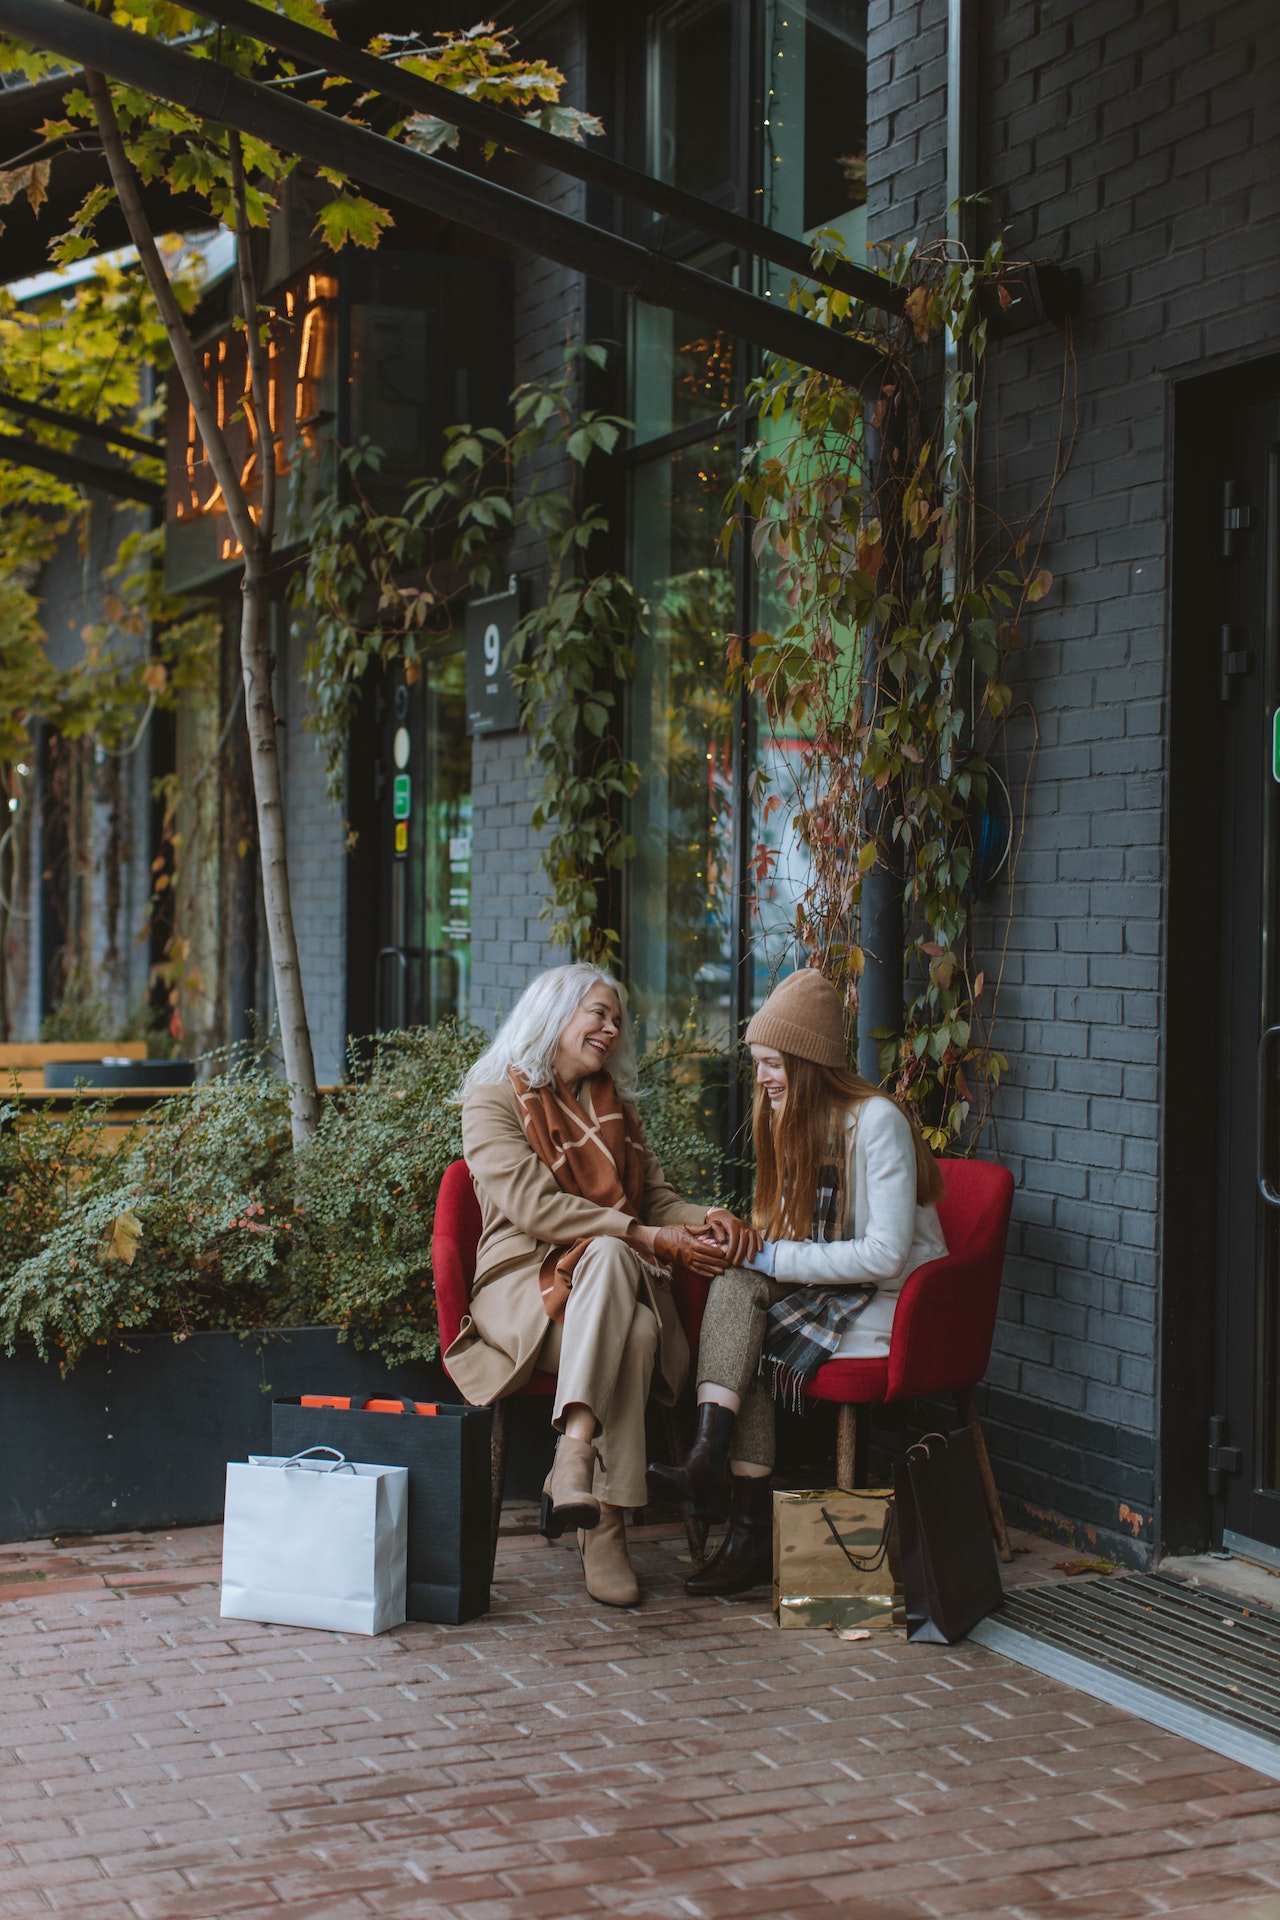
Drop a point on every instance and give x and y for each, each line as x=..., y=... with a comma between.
x=203, y=1217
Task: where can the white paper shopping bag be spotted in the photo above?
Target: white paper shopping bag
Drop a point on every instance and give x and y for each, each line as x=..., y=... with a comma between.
x=315, y=1541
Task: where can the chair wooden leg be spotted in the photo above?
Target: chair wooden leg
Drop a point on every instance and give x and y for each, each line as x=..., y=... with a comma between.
x=846, y=1446
x=695, y=1528
x=498, y=1467
x=999, y=1532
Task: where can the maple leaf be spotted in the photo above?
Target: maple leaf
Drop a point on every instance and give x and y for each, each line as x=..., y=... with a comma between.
x=33, y=180
x=351, y=219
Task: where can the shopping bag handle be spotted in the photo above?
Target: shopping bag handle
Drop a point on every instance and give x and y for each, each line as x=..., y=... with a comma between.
x=339, y=1463
x=358, y=1402
x=876, y=1560
x=922, y=1444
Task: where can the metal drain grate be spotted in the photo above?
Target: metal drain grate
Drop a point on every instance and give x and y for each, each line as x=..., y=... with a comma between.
x=1197, y=1662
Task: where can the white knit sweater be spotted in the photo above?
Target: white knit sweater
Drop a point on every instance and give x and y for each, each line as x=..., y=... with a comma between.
x=888, y=1235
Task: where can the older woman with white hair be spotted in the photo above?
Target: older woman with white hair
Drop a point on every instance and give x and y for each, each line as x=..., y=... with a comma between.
x=579, y=1231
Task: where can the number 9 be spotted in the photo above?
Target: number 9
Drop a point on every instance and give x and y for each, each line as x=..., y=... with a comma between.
x=492, y=650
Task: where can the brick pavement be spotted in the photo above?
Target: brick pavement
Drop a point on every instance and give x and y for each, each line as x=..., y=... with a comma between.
x=685, y=1761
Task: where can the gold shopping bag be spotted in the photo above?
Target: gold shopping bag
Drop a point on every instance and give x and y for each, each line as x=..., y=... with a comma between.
x=835, y=1559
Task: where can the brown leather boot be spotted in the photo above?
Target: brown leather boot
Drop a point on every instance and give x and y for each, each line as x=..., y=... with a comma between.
x=567, y=1499
x=745, y=1556
x=703, y=1475
x=610, y=1579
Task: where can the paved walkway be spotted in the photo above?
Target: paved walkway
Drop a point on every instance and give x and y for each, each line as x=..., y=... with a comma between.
x=685, y=1761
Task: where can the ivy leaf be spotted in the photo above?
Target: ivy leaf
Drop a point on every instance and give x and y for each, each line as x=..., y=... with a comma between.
x=916, y=308
x=869, y=552
x=1040, y=584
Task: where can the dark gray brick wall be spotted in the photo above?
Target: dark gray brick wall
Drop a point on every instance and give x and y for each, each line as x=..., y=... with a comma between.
x=508, y=935
x=1139, y=143
x=318, y=868
x=906, y=117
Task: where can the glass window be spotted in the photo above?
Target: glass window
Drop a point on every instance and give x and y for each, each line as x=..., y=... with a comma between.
x=815, y=129
x=691, y=95
x=424, y=943
x=784, y=784
x=681, y=370
x=446, y=840
x=681, y=893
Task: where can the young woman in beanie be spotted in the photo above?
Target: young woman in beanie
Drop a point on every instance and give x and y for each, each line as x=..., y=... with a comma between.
x=846, y=1194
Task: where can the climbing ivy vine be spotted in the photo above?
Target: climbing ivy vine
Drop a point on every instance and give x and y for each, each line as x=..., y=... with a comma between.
x=892, y=603
x=386, y=586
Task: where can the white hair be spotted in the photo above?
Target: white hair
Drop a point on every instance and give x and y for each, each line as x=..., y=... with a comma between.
x=530, y=1036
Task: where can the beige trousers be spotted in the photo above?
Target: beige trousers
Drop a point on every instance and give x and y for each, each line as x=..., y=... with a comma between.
x=602, y=1354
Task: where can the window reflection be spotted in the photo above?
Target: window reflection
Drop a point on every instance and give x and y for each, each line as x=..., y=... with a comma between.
x=681, y=370
x=681, y=881
x=815, y=132
x=690, y=95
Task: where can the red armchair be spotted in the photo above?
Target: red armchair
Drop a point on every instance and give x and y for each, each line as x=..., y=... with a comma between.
x=455, y=1237
x=943, y=1328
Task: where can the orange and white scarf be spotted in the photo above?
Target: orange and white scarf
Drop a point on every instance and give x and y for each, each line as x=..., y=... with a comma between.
x=594, y=1147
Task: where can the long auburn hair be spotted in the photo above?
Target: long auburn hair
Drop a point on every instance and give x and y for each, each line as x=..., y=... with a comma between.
x=804, y=1134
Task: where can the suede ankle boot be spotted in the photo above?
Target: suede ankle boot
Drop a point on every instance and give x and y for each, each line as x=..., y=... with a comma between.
x=610, y=1579
x=567, y=1499
x=703, y=1475
x=745, y=1555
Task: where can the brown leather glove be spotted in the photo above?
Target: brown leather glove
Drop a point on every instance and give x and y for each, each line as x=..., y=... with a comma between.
x=740, y=1242
x=681, y=1246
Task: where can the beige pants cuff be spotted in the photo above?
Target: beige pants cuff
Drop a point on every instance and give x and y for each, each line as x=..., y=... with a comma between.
x=602, y=1355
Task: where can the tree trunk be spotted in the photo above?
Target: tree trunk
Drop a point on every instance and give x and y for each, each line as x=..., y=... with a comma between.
x=8, y=875
x=255, y=659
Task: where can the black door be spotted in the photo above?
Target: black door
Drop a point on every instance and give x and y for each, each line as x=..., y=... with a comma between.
x=1242, y=552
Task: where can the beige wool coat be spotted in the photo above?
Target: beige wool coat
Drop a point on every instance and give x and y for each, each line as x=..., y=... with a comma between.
x=525, y=1213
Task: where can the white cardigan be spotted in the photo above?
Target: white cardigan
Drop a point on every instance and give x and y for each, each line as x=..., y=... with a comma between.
x=887, y=1235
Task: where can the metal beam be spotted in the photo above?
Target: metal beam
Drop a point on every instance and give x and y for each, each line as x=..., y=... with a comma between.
x=488, y=122
x=77, y=423
x=215, y=93
x=116, y=481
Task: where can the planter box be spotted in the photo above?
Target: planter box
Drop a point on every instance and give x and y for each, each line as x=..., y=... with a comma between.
x=139, y=1434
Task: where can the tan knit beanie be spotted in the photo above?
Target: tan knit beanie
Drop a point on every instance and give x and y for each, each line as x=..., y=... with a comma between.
x=803, y=1015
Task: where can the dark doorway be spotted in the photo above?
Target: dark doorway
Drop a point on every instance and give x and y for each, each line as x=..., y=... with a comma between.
x=423, y=829
x=1221, y=1416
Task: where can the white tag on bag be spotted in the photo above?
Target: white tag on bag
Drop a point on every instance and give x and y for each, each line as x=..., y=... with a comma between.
x=315, y=1541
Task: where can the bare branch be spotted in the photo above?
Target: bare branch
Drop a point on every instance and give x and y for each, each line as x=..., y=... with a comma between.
x=185, y=357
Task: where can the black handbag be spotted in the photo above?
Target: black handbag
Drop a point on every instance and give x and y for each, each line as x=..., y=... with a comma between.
x=446, y=1450
x=950, y=1577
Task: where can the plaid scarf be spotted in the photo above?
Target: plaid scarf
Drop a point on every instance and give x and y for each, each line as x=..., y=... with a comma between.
x=806, y=1327
x=593, y=1146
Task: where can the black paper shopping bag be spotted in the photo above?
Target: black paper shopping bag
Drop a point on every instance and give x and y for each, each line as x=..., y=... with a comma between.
x=446, y=1450
x=950, y=1578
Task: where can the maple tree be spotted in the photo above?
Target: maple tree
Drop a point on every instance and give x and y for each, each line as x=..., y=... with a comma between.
x=145, y=140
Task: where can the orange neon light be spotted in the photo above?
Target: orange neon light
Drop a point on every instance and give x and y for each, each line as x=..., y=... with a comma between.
x=235, y=403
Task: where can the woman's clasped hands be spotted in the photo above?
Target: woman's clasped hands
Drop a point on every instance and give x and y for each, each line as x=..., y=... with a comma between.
x=724, y=1241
